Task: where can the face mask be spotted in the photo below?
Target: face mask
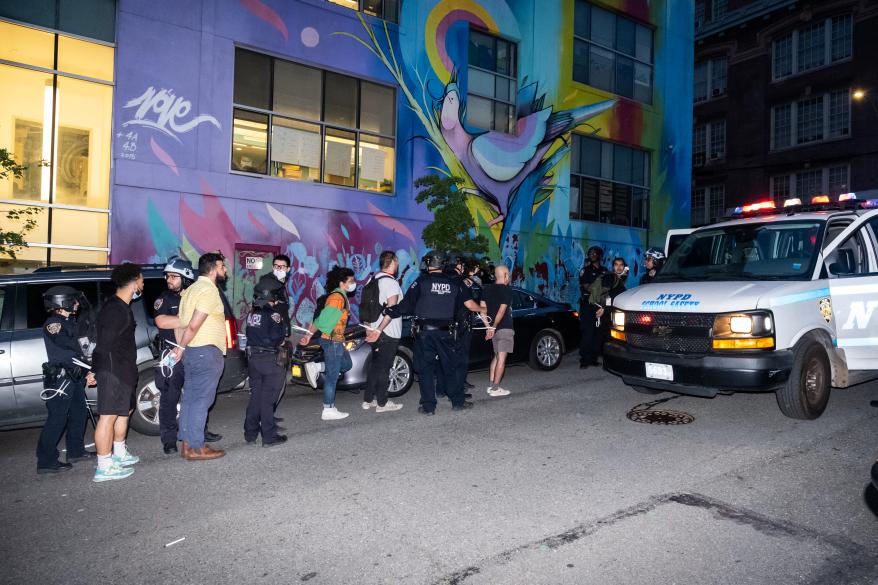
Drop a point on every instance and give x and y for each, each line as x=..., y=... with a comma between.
x=137, y=294
x=279, y=273
x=351, y=287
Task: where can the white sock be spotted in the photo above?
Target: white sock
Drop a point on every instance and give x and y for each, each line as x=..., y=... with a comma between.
x=105, y=461
x=119, y=449
x=325, y=407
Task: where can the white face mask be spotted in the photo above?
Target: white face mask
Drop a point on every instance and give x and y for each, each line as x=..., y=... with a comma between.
x=136, y=295
x=280, y=274
x=351, y=287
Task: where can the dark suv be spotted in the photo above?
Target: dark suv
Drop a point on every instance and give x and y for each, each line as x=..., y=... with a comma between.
x=22, y=351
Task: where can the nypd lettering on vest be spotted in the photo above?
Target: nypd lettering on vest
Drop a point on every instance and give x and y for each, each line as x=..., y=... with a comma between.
x=440, y=288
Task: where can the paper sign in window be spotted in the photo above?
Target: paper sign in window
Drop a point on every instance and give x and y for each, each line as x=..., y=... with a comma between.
x=293, y=146
x=338, y=159
x=372, y=164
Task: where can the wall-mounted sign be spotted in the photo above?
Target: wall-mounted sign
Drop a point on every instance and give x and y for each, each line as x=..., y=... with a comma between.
x=253, y=263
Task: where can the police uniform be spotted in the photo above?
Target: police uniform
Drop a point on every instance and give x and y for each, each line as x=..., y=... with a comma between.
x=590, y=342
x=171, y=386
x=66, y=410
x=266, y=329
x=433, y=300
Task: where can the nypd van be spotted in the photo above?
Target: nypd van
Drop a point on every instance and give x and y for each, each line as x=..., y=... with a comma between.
x=774, y=300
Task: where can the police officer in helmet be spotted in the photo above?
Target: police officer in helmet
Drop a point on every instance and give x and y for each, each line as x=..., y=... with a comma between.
x=64, y=382
x=653, y=260
x=266, y=331
x=179, y=274
x=432, y=300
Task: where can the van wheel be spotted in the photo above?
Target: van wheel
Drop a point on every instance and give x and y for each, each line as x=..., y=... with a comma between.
x=402, y=374
x=145, y=418
x=806, y=392
x=545, y=350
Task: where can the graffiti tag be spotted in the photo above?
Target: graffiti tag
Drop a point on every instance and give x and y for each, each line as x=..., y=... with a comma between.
x=169, y=110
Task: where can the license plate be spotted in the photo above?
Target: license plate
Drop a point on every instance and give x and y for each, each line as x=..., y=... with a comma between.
x=660, y=371
x=297, y=371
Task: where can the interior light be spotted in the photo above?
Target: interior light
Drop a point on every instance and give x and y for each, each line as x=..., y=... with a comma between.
x=741, y=324
x=818, y=199
x=792, y=202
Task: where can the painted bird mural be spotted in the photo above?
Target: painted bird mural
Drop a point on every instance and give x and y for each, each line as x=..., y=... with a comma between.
x=499, y=163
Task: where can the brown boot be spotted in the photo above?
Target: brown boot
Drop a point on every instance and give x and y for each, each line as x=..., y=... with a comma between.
x=184, y=450
x=204, y=454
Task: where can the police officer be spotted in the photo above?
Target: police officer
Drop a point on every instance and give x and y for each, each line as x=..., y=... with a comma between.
x=64, y=382
x=169, y=380
x=653, y=260
x=266, y=331
x=432, y=300
x=589, y=343
x=455, y=268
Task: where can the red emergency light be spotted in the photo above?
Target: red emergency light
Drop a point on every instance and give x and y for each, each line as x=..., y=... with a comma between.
x=645, y=319
x=819, y=199
x=760, y=206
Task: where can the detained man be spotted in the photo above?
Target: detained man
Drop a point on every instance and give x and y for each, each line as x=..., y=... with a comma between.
x=498, y=299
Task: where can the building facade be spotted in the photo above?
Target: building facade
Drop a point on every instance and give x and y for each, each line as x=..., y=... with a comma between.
x=265, y=126
x=784, y=102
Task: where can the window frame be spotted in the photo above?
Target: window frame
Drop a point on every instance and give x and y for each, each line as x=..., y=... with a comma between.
x=794, y=106
x=323, y=125
x=709, y=194
x=793, y=177
x=513, y=78
x=710, y=129
x=794, y=35
x=360, y=4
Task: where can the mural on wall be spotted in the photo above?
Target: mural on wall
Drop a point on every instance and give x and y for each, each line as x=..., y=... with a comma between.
x=177, y=196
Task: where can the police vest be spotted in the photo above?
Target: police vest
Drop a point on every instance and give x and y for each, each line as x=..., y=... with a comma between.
x=437, y=298
x=265, y=328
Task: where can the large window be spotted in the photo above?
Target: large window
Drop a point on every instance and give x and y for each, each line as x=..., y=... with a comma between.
x=608, y=182
x=807, y=183
x=386, y=9
x=708, y=204
x=810, y=47
x=718, y=9
x=612, y=52
x=57, y=123
x=711, y=78
x=811, y=120
x=709, y=142
x=492, y=85
x=305, y=124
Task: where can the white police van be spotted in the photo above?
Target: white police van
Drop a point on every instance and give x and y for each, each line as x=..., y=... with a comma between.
x=783, y=301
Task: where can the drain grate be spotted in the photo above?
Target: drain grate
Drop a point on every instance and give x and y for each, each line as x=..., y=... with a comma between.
x=643, y=413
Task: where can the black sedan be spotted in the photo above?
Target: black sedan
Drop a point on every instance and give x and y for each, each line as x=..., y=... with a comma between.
x=544, y=331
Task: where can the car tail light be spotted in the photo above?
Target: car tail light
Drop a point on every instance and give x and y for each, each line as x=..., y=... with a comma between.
x=576, y=314
x=231, y=334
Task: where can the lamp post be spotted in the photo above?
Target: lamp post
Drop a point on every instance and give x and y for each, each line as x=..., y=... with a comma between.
x=861, y=95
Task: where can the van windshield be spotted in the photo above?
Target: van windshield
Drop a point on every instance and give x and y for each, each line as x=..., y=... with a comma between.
x=759, y=251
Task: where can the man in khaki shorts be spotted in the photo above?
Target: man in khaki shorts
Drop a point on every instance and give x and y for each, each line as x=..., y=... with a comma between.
x=498, y=298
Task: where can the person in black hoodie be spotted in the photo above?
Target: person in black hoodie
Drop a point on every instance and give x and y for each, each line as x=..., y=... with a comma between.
x=115, y=367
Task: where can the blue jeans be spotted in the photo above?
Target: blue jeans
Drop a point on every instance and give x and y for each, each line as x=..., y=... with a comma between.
x=337, y=362
x=202, y=369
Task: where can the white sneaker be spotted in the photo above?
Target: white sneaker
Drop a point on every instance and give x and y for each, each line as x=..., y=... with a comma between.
x=490, y=389
x=389, y=407
x=368, y=405
x=498, y=391
x=333, y=414
x=312, y=371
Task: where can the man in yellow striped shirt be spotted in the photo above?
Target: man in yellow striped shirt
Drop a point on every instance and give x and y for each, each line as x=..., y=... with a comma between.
x=203, y=345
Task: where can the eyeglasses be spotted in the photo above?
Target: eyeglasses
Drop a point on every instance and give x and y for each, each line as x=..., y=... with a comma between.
x=280, y=266
x=171, y=275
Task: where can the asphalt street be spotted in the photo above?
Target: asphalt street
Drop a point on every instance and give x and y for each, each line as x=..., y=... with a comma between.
x=552, y=484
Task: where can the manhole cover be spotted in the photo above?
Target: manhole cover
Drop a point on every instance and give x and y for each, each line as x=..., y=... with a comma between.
x=660, y=417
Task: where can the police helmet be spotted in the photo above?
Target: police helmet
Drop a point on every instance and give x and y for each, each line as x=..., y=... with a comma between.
x=61, y=297
x=267, y=290
x=657, y=255
x=596, y=249
x=434, y=259
x=454, y=258
x=177, y=265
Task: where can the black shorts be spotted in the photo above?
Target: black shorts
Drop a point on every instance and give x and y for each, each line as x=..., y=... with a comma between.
x=114, y=396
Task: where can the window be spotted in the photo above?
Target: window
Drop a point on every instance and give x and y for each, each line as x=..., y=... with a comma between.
x=385, y=9
x=811, y=120
x=815, y=45
x=612, y=52
x=708, y=204
x=699, y=16
x=805, y=184
x=93, y=19
x=36, y=312
x=305, y=124
x=708, y=142
x=65, y=121
x=492, y=85
x=608, y=182
x=718, y=9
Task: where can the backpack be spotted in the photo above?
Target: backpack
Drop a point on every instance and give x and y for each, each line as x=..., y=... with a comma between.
x=319, y=304
x=370, y=300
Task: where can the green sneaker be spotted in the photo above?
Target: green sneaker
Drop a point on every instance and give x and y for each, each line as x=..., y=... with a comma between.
x=112, y=472
x=126, y=460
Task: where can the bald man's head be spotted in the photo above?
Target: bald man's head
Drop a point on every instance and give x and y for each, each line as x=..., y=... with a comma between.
x=501, y=274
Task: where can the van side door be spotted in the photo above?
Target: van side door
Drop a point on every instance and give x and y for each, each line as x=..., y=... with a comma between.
x=851, y=263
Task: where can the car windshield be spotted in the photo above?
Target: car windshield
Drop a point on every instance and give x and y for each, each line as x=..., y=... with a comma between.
x=760, y=251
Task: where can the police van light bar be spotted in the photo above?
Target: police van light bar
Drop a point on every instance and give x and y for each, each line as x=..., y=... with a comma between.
x=818, y=199
x=760, y=206
x=792, y=202
x=847, y=197
x=869, y=204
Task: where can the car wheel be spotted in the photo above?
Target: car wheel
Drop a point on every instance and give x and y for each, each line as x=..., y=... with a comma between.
x=145, y=418
x=645, y=390
x=545, y=350
x=806, y=392
x=402, y=374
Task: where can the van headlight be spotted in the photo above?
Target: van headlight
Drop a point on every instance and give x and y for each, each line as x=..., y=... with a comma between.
x=745, y=330
x=618, y=320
